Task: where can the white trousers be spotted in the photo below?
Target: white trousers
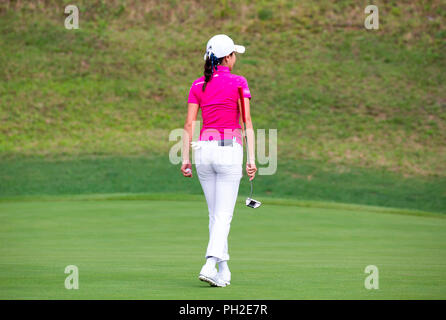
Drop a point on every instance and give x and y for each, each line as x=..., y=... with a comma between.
x=219, y=170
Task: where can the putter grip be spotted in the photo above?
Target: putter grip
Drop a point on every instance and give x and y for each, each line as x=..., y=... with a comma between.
x=242, y=101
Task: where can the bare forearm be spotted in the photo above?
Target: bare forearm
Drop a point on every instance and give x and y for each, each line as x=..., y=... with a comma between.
x=187, y=138
x=251, y=142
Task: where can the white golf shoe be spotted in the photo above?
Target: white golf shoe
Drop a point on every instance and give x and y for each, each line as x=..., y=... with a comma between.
x=210, y=275
x=225, y=276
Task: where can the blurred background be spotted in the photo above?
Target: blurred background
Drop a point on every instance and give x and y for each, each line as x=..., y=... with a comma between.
x=360, y=114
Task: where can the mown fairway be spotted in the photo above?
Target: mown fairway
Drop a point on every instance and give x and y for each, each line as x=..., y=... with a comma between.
x=149, y=249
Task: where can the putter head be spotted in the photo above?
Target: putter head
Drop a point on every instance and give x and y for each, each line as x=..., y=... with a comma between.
x=252, y=203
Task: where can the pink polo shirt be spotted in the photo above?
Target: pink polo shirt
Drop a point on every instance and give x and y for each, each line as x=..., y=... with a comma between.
x=218, y=104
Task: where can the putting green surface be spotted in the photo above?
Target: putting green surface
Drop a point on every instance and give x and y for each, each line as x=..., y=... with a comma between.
x=154, y=249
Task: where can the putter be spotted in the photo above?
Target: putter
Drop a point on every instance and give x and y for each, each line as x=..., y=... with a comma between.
x=250, y=202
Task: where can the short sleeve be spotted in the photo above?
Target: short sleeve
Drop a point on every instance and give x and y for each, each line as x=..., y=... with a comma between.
x=244, y=84
x=193, y=96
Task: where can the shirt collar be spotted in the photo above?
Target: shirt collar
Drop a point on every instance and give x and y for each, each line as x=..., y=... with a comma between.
x=223, y=69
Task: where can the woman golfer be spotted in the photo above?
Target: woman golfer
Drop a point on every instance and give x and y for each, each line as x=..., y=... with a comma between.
x=219, y=151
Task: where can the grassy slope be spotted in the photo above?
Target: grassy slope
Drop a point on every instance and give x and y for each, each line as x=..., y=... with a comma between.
x=153, y=249
x=347, y=102
x=335, y=91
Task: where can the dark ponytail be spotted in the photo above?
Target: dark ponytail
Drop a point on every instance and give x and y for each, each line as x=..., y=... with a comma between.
x=211, y=63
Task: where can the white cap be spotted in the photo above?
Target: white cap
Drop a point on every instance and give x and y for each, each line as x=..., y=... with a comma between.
x=221, y=45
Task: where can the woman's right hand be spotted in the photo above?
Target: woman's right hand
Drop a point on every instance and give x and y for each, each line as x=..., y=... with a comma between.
x=251, y=170
x=186, y=169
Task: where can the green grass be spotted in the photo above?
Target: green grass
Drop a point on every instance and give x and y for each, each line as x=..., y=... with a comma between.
x=335, y=91
x=85, y=117
x=300, y=180
x=153, y=249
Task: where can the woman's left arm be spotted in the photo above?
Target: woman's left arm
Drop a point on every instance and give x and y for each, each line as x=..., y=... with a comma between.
x=251, y=168
x=192, y=111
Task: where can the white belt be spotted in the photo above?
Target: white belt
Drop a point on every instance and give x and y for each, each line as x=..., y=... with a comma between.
x=198, y=144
